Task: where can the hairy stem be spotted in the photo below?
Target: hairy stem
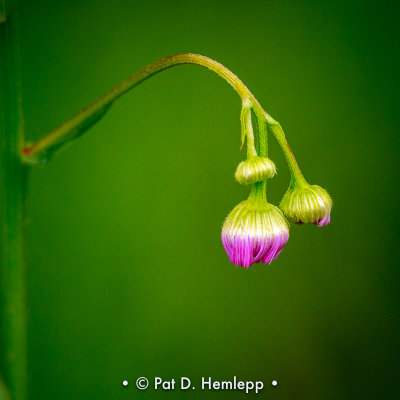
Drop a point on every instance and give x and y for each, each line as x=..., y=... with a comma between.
x=81, y=121
x=262, y=147
x=247, y=128
x=12, y=191
x=87, y=117
x=277, y=130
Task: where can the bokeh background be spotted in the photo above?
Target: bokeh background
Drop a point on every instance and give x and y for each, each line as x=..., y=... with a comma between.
x=127, y=275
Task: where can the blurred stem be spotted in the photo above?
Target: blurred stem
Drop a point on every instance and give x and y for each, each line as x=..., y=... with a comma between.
x=12, y=191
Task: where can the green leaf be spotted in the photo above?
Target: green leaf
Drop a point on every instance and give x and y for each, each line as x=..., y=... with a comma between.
x=70, y=132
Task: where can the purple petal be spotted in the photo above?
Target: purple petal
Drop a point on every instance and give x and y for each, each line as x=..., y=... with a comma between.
x=245, y=251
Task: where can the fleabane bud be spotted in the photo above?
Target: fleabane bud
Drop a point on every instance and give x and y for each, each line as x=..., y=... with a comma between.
x=254, y=231
x=307, y=204
x=255, y=169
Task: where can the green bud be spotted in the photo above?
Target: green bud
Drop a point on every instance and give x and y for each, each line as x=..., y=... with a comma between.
x=307, y=204
x=255, y=169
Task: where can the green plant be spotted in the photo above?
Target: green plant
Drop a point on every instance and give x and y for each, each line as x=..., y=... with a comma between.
x=255, y=230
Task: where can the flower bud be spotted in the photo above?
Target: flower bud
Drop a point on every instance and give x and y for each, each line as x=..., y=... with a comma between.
x=255, y=169
x=254, y=231
x=308, y=204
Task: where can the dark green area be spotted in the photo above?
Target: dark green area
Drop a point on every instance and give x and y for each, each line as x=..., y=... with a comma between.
x=127, y=275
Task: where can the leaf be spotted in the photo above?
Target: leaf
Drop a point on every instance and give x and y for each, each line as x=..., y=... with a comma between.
x=64, y=135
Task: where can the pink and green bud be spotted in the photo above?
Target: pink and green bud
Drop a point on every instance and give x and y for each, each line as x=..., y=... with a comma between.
x=255, y=169
x=254, y=231
x=307, y=204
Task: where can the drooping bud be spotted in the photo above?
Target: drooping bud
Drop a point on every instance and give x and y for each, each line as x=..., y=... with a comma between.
x=254, y=231
x=255, y=169
x=308, y=204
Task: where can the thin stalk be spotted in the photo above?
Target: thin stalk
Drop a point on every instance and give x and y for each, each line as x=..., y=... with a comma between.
x=262, y=149
x=12, y=191
x=279, y=134
x=78, y=124
x=73, y=127
x=247, y=128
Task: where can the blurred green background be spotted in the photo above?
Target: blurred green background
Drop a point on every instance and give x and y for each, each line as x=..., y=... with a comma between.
x=127, y=275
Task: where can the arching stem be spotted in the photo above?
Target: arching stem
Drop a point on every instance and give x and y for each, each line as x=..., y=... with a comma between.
x=91, y=114
x=77, y=125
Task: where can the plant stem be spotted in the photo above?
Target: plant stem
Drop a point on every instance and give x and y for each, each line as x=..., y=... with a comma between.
x=92, y=113
x=290, y=158
x=12, y=191
x=87, y=117
x=262, y=147
x=247, y=128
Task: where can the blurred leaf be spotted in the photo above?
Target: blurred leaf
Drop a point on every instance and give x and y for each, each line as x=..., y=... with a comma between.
x=66, y=134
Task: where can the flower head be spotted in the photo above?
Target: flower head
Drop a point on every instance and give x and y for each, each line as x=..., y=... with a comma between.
x=255, y=169
x=254, y=231
x=308, y=204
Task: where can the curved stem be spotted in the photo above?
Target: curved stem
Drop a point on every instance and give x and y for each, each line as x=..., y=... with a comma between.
x=80, y=122
x=90, y=115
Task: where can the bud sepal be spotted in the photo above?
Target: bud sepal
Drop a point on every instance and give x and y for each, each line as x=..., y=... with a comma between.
x=307, y=204
x=255, y=169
